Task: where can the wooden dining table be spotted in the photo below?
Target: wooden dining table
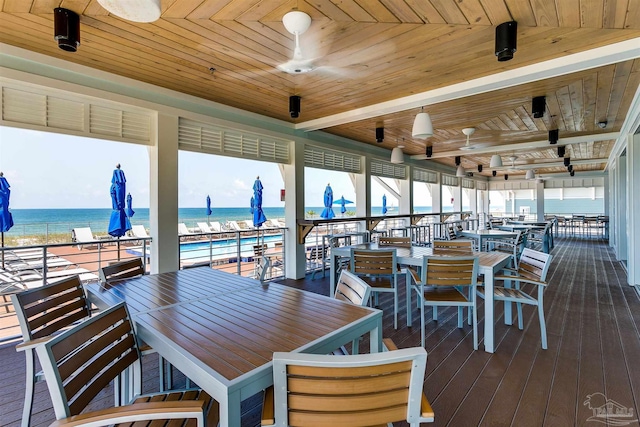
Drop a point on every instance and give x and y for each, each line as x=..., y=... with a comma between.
x=490, y=263
x=221, y=330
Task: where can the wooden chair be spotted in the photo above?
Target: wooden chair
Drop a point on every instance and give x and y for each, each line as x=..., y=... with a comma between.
x=43, y=312
x=315, y=259
x=379, y=268
x=442, y=282
x=357, y=390
x=122, y=270
x=350, y=288
x=452, y=247
x=404, y=242
x=82, y=361
x=532, y=268
x=511, y=245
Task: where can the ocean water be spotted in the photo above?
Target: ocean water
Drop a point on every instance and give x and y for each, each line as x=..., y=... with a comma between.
x=56, y=221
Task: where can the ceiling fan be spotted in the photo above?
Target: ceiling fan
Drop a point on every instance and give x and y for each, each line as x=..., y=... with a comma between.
x=468, y=146
x=297, y=23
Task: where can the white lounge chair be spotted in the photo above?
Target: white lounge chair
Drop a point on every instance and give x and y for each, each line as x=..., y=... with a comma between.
x=233, y=226
x=248, y=224
x=84, y=236
x=139, y=231
x=277, y=223
x=204, y=227
x=216, y=227
x=183, y=230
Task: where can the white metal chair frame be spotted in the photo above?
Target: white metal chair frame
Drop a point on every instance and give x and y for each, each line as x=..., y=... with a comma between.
x=362, y=267
x=350, y=288
x=446, y=277
x=513, y=245
x=406, y=404
x=532, y=268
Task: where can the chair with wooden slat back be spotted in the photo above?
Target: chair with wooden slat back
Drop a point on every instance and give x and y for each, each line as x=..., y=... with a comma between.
x=442, y=282
x=532, y=268
x=404, y=242
x=379, y=268
x=511, y=245
x=42, y=312
x=122, y=270
x=82, y=361
x=452, y=247
x=356, y=390
x=350, y=288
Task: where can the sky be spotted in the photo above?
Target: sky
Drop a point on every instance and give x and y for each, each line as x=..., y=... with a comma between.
x=50, y=170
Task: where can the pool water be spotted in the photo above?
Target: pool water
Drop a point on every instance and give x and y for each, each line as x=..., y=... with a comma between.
x=224, y=247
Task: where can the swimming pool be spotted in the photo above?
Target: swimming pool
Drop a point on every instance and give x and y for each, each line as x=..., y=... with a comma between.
x=225, y=247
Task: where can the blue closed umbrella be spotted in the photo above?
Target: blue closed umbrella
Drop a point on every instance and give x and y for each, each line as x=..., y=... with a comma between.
x=130, y=211
x=118, y=223
x=208, y=207
x=384, y=204
x=6, y=219
x=258, y=215
x=252, y=204
x=342, y=202
x=327, y=212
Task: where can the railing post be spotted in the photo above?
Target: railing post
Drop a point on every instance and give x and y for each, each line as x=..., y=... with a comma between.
x=210, y=250
x=238, y=251
x=44, y=266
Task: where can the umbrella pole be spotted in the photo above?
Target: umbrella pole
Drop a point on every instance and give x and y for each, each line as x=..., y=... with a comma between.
x=2, y=249
x=118, y=243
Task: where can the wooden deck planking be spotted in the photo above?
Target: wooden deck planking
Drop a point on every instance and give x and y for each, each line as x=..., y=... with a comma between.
x=593, y=319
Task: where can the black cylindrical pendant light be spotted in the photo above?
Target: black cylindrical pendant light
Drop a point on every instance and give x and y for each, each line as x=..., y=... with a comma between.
x=561, y=151
x=429, y=150
x=379, y=134
x=553, y=136
x=494, y=173
x=506, y=34
x=66, y=29
x=479, y=168
x=567, y=161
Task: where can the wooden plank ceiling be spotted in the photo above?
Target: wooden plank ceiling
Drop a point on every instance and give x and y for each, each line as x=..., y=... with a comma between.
x=368, y=52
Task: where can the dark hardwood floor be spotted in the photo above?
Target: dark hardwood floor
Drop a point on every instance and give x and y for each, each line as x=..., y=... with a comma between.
x=593, y=323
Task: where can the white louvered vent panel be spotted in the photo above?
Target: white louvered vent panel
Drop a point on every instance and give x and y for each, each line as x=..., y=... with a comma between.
x=481, y=185
x=105, y=121
x=24, y=107
x=65, y=114
x=468, y=183
x=136, y=126
x=388, y=169
x=200, y=136
x=329, y=159
x=449, y=180
x=423, y=175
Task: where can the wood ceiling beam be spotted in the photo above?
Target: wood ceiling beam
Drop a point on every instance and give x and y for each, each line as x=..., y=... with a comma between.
x=589, y=59
x=521, y=146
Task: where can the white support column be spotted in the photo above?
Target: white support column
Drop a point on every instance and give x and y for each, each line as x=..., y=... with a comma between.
x=473, y=201
x=163, y=210
x=540, y=200
x=293, y=209
x=363, y=189
x=405, y=203
x=633, y=213
x=436, y=197
x=621, y=211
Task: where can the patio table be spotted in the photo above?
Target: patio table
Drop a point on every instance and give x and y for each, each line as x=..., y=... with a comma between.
x=221, y=330
x=490, y=263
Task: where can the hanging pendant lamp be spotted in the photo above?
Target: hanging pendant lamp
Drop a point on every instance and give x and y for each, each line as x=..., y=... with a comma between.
x=530, y=174
x=422, y=126
x=460, y=172
x=397, y=156
x=496, y=161
x=133, y=10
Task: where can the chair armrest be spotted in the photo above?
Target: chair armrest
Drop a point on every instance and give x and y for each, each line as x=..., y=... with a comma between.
x=389, y=345
x=414, y=274
x=32, y=344
x=426, y=411
x=268, y=417
x=138, y=412
x=520, y=279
